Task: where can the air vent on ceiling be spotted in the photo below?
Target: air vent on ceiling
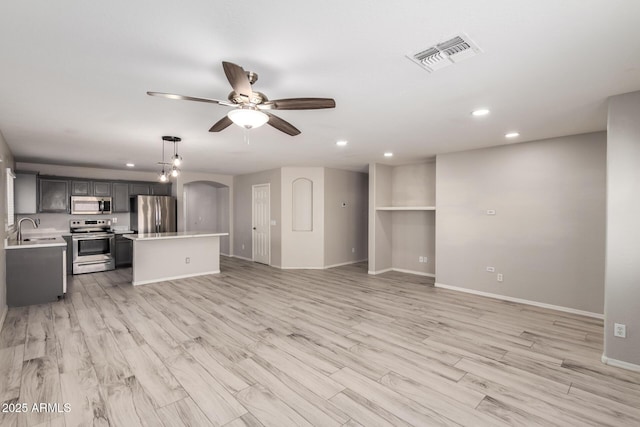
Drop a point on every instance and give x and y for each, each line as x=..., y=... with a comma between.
x=446, y=53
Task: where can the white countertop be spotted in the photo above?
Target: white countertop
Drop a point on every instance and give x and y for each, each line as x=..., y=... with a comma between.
x=37, y=242
x=173, y=235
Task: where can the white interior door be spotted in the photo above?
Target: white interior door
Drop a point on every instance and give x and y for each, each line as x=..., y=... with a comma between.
x=261, y=217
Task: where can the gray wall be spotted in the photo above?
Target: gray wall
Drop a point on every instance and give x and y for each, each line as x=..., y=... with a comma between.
x=622, y=290
x=242, y=193
x=207, y=209
x=548, y=234
x=7, y=162
x=345, y=228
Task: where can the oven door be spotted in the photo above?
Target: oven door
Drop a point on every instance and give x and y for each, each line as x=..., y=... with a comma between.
x=92, y=248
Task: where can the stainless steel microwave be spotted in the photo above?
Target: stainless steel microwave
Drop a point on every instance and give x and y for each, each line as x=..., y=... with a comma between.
x=83, y=205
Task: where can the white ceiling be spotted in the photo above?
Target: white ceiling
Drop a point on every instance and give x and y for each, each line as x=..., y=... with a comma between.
x=73, y=77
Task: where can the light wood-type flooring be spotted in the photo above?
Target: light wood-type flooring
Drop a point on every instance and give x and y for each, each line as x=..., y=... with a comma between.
x=256, y=346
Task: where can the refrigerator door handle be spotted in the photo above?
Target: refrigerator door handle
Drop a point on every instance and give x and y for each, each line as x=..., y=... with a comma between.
x=159, y=215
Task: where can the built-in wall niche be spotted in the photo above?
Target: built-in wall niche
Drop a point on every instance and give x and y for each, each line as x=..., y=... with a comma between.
x=302, y=209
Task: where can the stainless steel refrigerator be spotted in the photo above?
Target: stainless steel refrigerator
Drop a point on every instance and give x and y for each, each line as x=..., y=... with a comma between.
x=153, y=214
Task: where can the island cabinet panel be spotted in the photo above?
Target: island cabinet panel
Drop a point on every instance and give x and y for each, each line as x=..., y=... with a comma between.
x=120, y=197
x=54, y=195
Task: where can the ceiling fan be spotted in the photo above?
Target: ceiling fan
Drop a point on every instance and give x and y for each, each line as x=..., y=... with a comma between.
x=250, y=106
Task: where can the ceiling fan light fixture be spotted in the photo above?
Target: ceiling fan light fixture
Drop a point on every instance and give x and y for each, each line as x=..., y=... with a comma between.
x=248, y=118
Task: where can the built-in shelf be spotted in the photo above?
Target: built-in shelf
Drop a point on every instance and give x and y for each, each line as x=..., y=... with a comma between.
x=406, y=208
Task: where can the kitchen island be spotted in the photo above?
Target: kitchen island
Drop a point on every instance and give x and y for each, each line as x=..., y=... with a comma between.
x=158, y=257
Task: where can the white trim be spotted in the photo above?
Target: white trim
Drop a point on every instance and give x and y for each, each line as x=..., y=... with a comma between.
x=380, y=271
x=166, y=279
x=344, y=263
x=227, y=255
x=402, y=270
x=3, y=316
x=302, y=268
x=522, y=301
x=241, y=257
x=620, y=364
x=417, y=273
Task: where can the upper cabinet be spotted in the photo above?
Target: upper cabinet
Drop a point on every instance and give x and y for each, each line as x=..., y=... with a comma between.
x=26, y=193
x=120, y=201
x=161, y=189
x=90, y=188
x=54, y=195
x=139, y=189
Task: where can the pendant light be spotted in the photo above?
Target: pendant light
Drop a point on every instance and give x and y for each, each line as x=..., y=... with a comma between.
x=176, y=160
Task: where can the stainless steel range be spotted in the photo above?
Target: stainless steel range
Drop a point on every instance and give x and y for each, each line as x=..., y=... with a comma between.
x=93, y=245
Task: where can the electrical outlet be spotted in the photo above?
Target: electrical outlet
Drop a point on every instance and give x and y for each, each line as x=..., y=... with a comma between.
x=187, y=260
x=420, y=259
x=425, y=259
x=491, y=269
x=619, y=330
x=243, y=246
x=353, y=250
x=114, y=220
x=491, y=212
x=500, y=278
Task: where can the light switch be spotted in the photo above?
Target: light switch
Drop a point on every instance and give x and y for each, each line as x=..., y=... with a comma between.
x=273, y=222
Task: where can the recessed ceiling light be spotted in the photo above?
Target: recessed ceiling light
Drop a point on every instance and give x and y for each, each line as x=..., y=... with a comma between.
x=480, y=112
x=388, y=154
x=511, y=135
x=341, y=143
x=130, y=165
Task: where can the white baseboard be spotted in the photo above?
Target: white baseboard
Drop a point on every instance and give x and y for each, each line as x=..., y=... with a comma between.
x=227, y=255
x=402, y=270
x=302, y=268
x=344, y=263
x=522, y=301
x=241, y=257
x=417, y=273
x=620, y=364
x=380, y=271
x=166, y=279
x=3, y=316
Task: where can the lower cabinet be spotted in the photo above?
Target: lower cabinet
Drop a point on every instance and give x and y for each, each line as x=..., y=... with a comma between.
x=69, y=254
x=124, y=252
x=35, y=275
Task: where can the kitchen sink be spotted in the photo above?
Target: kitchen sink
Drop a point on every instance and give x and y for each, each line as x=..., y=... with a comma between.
x=38, y=239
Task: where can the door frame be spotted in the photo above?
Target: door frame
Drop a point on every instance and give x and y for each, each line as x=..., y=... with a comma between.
x=253, y=213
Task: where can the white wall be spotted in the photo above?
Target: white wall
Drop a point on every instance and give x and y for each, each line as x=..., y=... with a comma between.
x=242, y=208
x=548, y=234
x=622, y=290
x=207, y=209
x=345, y=227
x=303, y=249
x=7, y=162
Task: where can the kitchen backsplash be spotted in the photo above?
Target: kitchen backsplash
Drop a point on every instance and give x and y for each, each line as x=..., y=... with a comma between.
x=61, y=221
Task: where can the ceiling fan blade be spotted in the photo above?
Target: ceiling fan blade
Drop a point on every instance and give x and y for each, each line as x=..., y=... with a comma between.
x=282, y=125
x=299, y=104
x=190, y=98
x=237, y=78
x=221, y=124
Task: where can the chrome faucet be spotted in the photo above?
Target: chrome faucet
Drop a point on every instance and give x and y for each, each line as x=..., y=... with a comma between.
x=19, y=237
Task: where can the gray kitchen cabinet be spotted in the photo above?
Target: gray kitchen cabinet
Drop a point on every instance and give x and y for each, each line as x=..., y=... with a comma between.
x=26, y=193
x=124, y=252
x=80, y=188
x=101, y=188
x=90, y=188
x=53, y=196
x=69, y=254
x=35, y=275
x=139, y=188
x=161, y=189
x=120, y=198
